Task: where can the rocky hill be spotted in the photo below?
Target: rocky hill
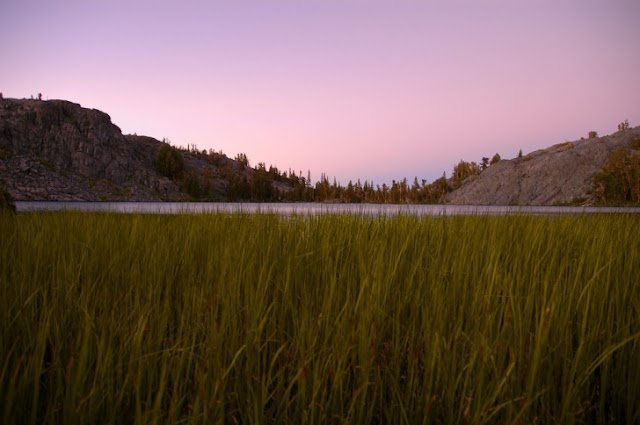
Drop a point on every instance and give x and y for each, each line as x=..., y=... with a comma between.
x=561, y=174
x=58, y=150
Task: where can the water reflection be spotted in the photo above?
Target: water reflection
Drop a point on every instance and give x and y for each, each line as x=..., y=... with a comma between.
x=307, y=208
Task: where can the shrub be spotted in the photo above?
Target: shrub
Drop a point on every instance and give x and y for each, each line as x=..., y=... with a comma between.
x=593, y=134
x=6, y=201
x=623, y=125
x=462, y=171
x=169, y=162
x=619, y=181
x=192, y=185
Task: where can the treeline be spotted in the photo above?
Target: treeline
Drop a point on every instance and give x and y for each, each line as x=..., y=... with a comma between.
x=397, y=193
x=367, y=192
x=619, y=181
x=235, y=180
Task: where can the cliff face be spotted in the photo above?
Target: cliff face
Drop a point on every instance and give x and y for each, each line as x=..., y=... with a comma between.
x=57, y=150
x=563, y=173
x=79, y=140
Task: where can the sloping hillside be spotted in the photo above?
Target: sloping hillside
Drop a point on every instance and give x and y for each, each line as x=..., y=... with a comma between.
x=58, y=150
x=561, y=174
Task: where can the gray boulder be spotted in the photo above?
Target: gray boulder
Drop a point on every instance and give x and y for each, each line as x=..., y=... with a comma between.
x=561, y=174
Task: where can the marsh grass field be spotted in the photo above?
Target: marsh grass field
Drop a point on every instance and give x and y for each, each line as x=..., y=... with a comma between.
x=265, y=319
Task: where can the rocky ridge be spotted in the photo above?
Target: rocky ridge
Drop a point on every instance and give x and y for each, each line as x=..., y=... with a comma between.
x=561, y=174
x=58, y=150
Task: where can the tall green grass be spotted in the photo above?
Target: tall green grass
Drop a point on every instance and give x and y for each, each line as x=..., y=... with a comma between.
x=259, y=319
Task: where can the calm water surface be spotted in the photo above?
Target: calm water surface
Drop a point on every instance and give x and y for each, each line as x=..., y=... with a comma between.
x=305, y=208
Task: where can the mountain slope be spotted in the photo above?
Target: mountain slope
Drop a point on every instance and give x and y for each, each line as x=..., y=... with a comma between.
x=563, y=173
x=58, y=150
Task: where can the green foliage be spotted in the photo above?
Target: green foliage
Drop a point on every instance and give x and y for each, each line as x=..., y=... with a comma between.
x=260, y=187
x=462, y=171
x=6, y=202
x=169, y=162
x=623, y=126
x=440, y=187
x=192, y=186
x=215, y=158
x=619, y=181
x=242, y=161
x=238, y=188
x=206, y=183
x=260, y=184
x=110, y=318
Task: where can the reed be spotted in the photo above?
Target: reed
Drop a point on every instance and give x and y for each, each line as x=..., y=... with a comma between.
x=255, y=319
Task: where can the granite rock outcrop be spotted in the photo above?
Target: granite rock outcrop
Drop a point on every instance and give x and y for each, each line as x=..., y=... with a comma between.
x=561, y=174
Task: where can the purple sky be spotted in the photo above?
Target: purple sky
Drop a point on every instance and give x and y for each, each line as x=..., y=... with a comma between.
x=376, y=90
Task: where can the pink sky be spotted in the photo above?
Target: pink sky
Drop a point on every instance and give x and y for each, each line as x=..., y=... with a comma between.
x=376, y=90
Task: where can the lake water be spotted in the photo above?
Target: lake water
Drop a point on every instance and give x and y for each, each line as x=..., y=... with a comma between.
x=306, y=208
